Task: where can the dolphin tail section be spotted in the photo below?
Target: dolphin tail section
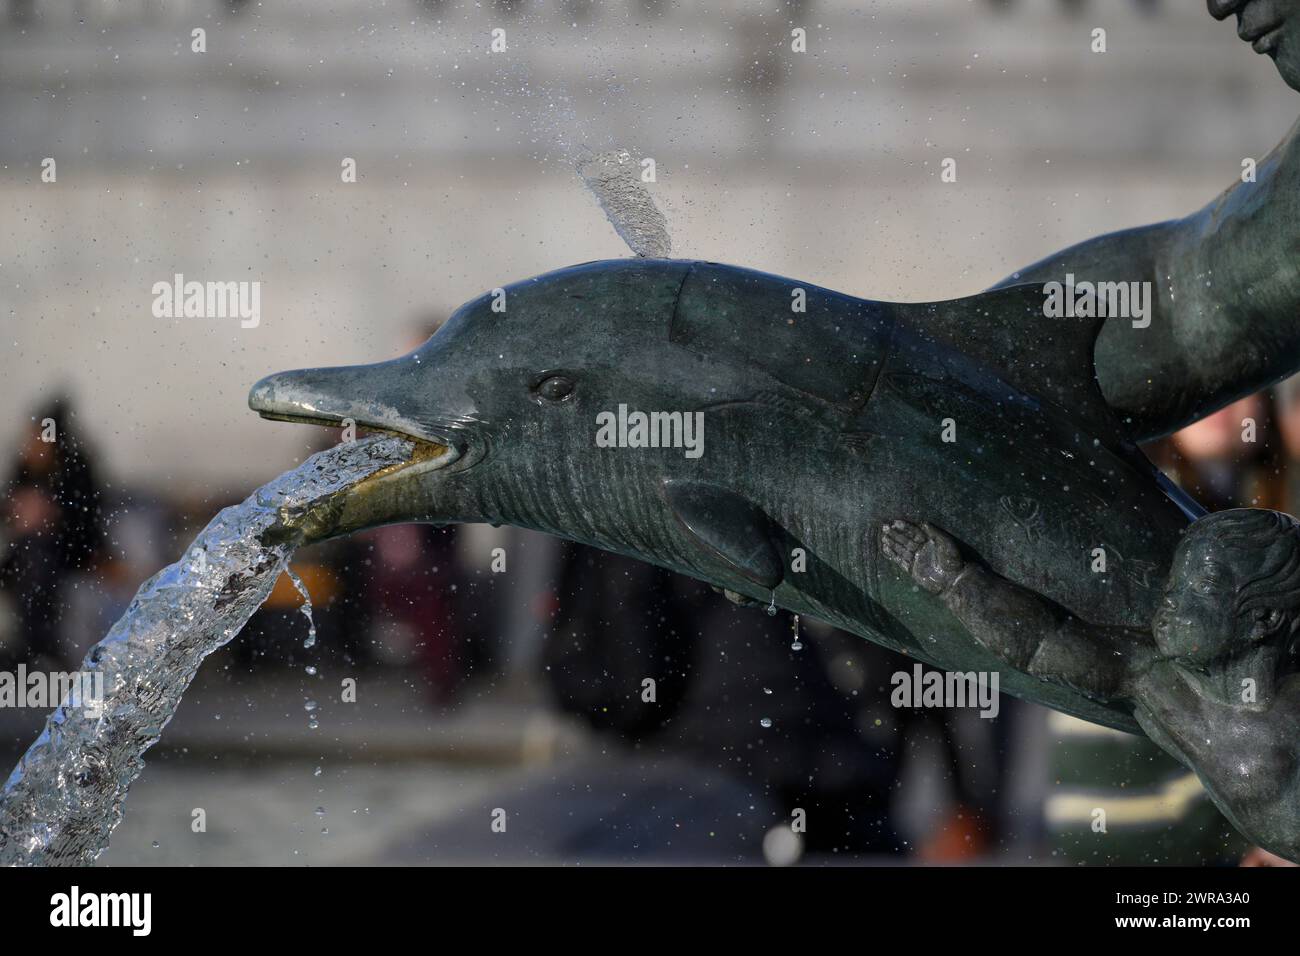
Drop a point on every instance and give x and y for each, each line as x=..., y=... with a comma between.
x=1008, y=332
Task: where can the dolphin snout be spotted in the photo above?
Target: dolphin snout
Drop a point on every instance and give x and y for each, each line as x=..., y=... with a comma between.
x=366, y=396
x=294, y=396
x=301, y=395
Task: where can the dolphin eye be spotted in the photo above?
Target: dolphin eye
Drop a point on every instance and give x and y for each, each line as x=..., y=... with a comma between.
x=556, y=388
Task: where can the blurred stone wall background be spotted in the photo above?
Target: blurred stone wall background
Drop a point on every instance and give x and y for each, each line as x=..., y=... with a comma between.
x=225, y=165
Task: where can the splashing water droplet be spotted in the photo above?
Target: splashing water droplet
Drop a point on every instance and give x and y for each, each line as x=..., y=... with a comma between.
x=309, y=705
x=771, y=608
x=765, y=722
x=614, y=178
x=310, y=640
x=795, y=643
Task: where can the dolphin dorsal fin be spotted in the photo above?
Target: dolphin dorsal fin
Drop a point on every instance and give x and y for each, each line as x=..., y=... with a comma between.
x=1007, y=332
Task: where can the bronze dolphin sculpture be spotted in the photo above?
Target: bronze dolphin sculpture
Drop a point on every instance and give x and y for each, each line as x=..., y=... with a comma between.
x=979, y=414
x=1013, y=430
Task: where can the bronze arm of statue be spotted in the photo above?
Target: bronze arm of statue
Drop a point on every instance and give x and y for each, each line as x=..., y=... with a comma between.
x=1224, y=281
x=1214, y=680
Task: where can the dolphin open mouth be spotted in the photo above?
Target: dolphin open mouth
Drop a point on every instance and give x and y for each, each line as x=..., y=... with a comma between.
x=426, y=455
x=352, y=396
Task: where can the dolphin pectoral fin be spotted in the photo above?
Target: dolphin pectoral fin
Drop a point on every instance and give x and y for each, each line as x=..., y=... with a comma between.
x=728, y=528
x=737, y=598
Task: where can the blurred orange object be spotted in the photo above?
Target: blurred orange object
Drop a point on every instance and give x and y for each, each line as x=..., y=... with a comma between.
x=321, y=583
x=962, y=837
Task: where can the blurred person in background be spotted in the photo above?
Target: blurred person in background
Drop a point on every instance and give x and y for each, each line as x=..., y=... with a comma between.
x=972, y=765
x=813, y=727
x=1227, y=460
x=732, y=697
x=53, y=525
x=406, y=581
x=1287, y=413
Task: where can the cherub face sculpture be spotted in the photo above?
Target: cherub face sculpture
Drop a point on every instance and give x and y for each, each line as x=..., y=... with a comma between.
x=1235, y=581
x=1197, y=619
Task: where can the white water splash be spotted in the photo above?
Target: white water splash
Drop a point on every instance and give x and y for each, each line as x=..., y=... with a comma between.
x=614, y=178
x=63, y=800
x=558, y=131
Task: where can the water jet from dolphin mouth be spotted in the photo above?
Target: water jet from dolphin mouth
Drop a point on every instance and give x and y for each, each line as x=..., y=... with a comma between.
x=62, y=802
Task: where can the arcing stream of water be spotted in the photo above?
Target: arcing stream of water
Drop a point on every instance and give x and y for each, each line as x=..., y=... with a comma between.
x=63, y=800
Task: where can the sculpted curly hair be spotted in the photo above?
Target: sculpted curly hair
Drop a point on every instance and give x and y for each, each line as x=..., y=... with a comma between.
x=1267, y=545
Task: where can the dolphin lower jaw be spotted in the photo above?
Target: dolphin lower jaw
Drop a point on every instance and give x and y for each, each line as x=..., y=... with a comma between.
x=412, y=490
x=425, y=457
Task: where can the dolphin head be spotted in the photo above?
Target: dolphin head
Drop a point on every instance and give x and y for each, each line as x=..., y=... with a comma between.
x=511, y=401
x=502, y=403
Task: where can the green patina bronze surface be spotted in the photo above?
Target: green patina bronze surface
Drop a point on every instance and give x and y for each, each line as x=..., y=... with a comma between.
x=818, y=427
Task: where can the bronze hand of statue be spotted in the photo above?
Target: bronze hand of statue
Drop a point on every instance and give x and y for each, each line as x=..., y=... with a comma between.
x=1269, y=26
x=923, y=551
